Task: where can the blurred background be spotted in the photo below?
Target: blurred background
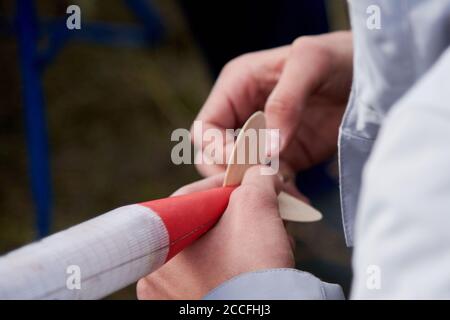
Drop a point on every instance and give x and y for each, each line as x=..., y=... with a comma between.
x=86, y=115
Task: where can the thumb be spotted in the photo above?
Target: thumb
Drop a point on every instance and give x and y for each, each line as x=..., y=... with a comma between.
x=268, y=185
x=256, y=197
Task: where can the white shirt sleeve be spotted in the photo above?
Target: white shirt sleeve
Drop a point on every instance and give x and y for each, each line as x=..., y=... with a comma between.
x=402, y=240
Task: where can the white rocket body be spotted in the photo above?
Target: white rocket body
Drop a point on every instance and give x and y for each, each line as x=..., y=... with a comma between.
x=107, y=253
x=88, y=261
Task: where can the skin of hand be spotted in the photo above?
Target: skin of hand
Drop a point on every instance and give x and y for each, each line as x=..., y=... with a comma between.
x=303, y=89
x=249, y=236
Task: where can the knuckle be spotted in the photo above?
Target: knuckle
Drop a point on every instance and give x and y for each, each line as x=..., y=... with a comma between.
x=305, y=43
x=249, y=199
x=280, y=107
x=141, y=288
x=310, y=45
x=228, y=67
x=238, y=64
x=233, y=64
x=246, y=193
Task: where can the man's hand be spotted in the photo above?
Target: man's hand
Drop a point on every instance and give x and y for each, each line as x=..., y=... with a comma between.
x=303, y=89
x=250, y=236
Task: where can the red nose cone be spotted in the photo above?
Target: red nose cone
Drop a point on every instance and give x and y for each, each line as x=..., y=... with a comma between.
x=189, y=216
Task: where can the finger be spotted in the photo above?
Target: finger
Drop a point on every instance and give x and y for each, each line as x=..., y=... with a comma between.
x=209, y=167
x=208, y=170
x=241, y=89
x=255, y=200
x=302, y=74
x=201, y=185
x=271, y=183
x=213, y=159
x=268, y=184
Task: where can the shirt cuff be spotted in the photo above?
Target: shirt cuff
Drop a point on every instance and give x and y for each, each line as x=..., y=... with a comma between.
x=276, y=284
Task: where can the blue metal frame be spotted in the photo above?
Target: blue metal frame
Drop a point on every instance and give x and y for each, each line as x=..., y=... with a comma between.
x=27, y=30
x=33, y=61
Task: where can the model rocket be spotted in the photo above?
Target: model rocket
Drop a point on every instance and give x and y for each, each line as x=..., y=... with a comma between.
x=107, y=253
x=111, y=251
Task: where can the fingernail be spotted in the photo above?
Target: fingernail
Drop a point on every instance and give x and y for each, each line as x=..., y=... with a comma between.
x=272, y=142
